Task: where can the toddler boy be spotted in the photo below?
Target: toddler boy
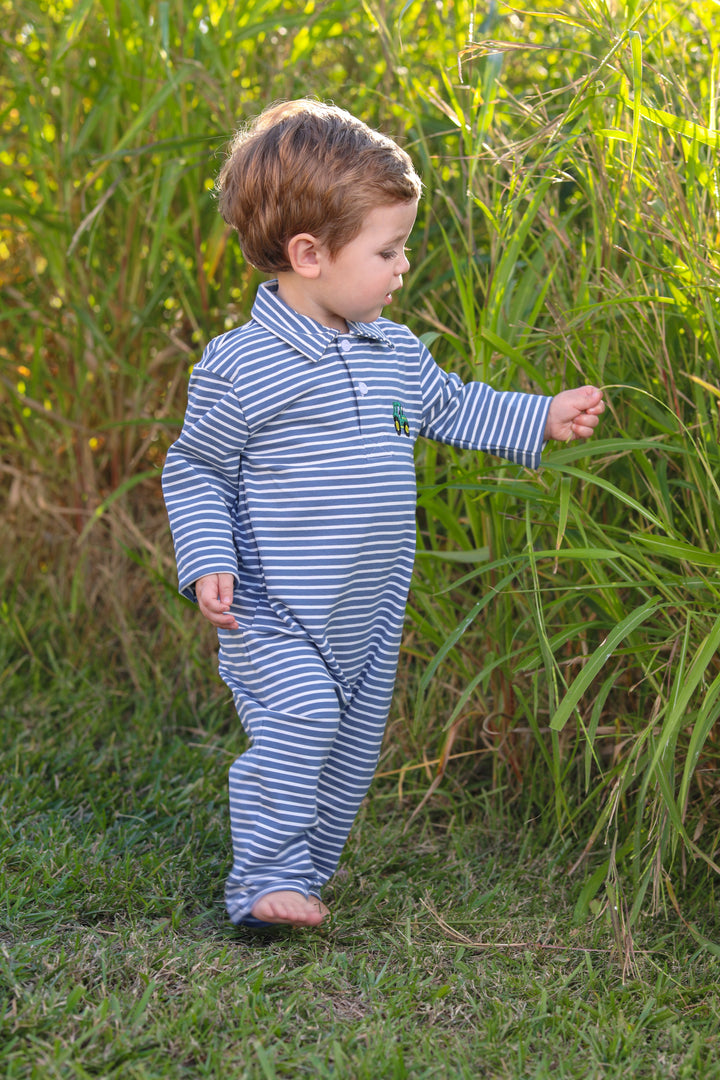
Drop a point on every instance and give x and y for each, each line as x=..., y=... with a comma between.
x=291, y=489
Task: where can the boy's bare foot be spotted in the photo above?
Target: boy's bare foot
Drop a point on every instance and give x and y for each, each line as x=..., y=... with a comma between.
x=292, y=908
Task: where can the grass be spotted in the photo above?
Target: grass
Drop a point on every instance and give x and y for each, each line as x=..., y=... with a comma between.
x=453, y=950
x=562, y=639
x=581, y=604
x=540, y=793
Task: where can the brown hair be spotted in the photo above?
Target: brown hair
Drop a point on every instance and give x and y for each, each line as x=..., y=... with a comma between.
x=303, y=166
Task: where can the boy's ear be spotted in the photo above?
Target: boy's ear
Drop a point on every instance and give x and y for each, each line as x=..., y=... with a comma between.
x=303, y=253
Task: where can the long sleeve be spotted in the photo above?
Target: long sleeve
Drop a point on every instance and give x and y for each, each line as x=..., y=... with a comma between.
x=474, y=416
x=201, y=478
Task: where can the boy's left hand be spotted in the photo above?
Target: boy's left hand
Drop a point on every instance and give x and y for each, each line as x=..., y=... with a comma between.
x=574, y=414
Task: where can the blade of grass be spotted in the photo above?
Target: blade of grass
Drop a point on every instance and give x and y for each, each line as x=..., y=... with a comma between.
x=598, y=660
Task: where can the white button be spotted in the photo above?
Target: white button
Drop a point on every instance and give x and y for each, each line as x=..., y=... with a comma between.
x=344, y=345
x=362, y=389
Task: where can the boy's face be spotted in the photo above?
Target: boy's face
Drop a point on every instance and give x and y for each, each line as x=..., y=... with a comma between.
x=357, y=284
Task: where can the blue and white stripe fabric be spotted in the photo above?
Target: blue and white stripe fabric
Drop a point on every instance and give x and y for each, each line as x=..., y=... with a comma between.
x=294, y=473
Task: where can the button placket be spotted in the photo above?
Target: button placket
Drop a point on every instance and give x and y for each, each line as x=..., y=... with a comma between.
x=343, y=347
x=360, y=387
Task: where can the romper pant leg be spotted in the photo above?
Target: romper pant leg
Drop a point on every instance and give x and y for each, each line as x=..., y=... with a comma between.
x=289, y=706
x=350, y=766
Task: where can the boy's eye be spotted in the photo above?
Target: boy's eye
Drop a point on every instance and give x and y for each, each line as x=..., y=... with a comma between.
x=390, y=255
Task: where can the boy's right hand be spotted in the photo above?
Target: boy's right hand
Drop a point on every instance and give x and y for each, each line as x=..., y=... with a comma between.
x=214, y=596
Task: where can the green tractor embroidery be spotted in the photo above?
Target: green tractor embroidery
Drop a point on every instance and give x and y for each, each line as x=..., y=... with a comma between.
x=400, y=419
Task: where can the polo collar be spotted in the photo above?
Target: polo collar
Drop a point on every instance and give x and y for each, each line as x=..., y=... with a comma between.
x=302, y=333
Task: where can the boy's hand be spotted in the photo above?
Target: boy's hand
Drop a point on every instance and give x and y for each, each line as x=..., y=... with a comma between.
x=574, y=414
x=214, y=596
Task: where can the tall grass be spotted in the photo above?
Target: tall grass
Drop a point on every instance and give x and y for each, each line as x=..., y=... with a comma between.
x=563, y=628
x=584, y=249
x=114, y=264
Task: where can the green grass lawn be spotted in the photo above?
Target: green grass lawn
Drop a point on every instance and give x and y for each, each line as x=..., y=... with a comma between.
x=451, y=952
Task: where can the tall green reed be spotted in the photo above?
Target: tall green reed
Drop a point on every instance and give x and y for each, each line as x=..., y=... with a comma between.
x=579, y=236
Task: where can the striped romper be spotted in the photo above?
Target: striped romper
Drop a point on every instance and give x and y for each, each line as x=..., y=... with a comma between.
x=294, y=473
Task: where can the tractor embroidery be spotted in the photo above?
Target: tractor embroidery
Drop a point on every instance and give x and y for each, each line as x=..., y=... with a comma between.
x=400, y=419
